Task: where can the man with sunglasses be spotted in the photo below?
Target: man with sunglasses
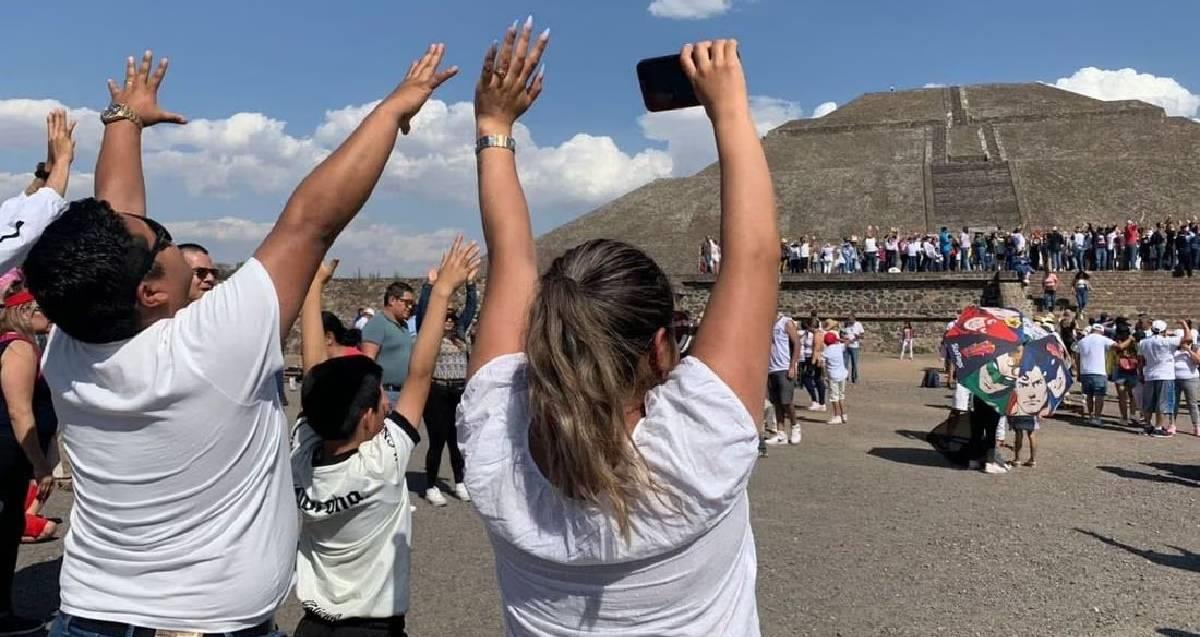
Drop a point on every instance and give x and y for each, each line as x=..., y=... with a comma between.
x=387, y=339
x=184, y=517
x=204, y=275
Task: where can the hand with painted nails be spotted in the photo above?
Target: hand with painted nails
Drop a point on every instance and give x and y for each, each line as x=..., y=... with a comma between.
x=715, y=71
x=459, y=264
x=422, y=80
x=508, y=83
x=140, y=91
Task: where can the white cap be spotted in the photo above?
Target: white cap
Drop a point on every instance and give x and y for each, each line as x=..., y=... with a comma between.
x=1097, y=327
x=1158, y=326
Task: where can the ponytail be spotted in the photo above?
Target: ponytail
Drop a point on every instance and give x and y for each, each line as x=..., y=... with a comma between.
x=591, y=338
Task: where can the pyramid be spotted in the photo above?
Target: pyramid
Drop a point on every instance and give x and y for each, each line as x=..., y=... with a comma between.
x=984, y=156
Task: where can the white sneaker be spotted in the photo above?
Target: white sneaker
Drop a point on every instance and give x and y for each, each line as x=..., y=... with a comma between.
x=813, y=407
x=777, y=439
x=821, y=408
x=434, y=495
x=796, y=435
x=836, y=420
x=845, y=418
x=460, y=492
x=994, y=468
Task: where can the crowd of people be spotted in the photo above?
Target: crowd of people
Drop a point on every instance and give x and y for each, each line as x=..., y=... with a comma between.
x=1169, y=245
x=196, y=512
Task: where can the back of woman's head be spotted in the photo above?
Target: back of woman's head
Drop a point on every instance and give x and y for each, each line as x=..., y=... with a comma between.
x=593, y=353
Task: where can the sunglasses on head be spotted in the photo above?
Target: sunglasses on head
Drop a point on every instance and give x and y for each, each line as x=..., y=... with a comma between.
x=162, y=239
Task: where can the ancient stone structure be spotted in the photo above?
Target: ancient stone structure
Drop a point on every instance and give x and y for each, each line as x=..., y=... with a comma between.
x=989, y=155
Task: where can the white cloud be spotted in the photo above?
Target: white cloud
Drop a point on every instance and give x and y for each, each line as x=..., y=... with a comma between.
x=362, y=247
x=1128, y=84
x=934, y=85
x=689, y=9
x=824, y=109
x=79, y=186
x=689, y=137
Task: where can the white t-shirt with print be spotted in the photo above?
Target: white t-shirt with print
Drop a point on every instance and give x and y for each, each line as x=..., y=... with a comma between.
x=1093, y=352
x=562, y=566
x=183, y=516
x=835, y=362
x=23, y=219
x=1159, y=352
x=355, y=525
x=856, y=330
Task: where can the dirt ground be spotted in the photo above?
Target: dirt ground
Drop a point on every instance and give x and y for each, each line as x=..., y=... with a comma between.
x=863, y=529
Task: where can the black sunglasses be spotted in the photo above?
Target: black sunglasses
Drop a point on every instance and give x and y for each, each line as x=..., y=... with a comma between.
x=162, y=239
x=204, y=273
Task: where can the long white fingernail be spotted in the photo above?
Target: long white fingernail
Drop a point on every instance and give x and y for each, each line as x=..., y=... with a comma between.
x=529, y=22
x=545, y=35
x=514, y=24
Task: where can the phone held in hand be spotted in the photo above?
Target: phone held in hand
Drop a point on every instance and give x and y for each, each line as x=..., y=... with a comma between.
x=664, y=86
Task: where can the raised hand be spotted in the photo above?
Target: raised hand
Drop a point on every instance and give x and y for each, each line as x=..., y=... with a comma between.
x=60, y=145
x=460, y=263
x=507, y=84
x=325, y=272
x=432, y=276
x=422, y=80
x=140, y=91
x=715, y=72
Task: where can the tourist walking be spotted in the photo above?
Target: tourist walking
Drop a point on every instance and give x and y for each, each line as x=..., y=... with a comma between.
x=1049, y=290
x=855, y=331
x=605, y=468
x=782, y=367
x=1083, y=288
x=833, y=360
x=906, y=340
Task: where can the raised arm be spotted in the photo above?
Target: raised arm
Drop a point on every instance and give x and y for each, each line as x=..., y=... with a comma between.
x=458, y=263
x=734, y=339
x=470, y=309
x=119, y=179
x=60, y=150
x=333, y=193
x=507, y=88
x=312, y=328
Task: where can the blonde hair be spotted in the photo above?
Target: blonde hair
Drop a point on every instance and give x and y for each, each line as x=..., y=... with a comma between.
x=591, y=336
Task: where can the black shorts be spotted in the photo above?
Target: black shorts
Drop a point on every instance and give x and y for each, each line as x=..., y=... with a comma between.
x=780, y=388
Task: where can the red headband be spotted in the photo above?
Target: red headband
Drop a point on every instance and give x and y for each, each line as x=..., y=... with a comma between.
x=20, y=298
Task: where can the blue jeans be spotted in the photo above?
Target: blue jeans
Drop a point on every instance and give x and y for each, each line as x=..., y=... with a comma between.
x=851, y=360
x=1048, y=300
x=1081, y=298
x=872, y=265
x=1078, y=258
x=63, y=626
x=965, y=261
x=1056, y=260
x=1101, y=259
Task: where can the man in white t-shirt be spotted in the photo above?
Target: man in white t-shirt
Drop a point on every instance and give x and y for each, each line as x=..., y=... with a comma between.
x=1156, y=356
x=855, y=331
x=183, y=517
x=782, y=370
x=1093, y=370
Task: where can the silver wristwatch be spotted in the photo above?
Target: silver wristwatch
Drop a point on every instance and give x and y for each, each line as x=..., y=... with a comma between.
x=496, y=141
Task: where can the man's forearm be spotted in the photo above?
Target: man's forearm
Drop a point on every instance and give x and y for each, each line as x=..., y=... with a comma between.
x=119, y=179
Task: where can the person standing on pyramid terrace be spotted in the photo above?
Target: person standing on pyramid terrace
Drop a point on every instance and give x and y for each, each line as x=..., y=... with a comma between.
x=204, y=275
x=184, y=518
x=781, y=380
x=386, y=338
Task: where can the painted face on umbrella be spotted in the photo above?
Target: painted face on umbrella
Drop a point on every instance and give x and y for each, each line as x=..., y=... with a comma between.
x=1031, y=391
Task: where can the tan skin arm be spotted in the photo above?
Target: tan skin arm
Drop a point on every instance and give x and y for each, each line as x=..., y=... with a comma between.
x=500, y=98
x=370, y=350
x=18, y=376
x=459, y=264
x=119, y=178
x=336, y=190
x=794, y=341
x=312, y=329
x=734, y=338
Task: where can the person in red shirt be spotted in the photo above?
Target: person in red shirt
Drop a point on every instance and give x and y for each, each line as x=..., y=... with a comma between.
x=1131, y=242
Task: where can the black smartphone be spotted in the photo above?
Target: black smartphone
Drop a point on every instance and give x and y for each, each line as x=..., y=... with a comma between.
x=664, y=86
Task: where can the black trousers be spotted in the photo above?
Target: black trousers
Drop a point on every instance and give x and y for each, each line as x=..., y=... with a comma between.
x=15, y=474
x=313, y=626
x=440, y=410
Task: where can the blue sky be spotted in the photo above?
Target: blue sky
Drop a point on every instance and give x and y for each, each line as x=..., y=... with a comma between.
x=272, y=86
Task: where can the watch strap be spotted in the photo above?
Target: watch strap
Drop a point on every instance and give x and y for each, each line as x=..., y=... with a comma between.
x=40, y=172
x=496, y=141
x=117, y=112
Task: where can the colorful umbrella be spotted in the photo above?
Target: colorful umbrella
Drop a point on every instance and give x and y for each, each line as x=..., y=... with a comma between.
x=1011, y=363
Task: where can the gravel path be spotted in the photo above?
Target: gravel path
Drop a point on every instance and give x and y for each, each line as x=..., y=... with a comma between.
x=863, y=529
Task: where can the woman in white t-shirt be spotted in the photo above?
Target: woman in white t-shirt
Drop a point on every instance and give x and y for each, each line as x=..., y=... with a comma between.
x=611, y=475
x=1187, y=378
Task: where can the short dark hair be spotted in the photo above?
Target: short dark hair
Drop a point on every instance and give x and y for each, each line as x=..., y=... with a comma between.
x=192, y=247
x=85, y=270
x=337, y=392
x=396, y=290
